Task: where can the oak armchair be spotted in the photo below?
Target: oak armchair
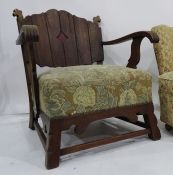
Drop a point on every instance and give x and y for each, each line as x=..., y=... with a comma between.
x=77, y=92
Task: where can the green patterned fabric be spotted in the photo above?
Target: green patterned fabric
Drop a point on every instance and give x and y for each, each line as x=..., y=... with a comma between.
x=80, y=89
x=166, y=97
x=164, y=48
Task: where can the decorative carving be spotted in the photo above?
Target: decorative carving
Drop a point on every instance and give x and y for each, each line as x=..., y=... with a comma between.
x=62, y=36
x=97, y=20
x=18, y=14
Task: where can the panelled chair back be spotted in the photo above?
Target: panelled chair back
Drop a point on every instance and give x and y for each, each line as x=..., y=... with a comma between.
x=65, y=40
x=77, y=92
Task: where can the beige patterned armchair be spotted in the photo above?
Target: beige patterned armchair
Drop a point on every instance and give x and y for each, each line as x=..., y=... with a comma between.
x=164, y=56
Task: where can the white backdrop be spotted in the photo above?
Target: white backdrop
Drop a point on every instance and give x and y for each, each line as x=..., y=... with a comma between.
x=119, y=17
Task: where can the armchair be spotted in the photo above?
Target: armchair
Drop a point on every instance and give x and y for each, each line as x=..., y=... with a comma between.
x=164, y=57
x=77, y=92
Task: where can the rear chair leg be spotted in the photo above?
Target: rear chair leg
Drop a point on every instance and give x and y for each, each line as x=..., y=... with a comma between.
x=32, y=114
x=53, y=144
x=31, y=120
x=151, y=122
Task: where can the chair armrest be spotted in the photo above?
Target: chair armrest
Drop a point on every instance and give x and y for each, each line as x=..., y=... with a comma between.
x=136, y=38
x=28, y=33
x=153, y=37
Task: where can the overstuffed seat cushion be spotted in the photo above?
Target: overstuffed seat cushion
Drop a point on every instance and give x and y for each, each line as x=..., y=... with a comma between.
x=80, y=89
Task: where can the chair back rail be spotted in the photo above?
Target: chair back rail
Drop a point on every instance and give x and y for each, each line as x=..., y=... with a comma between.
x=65, y=40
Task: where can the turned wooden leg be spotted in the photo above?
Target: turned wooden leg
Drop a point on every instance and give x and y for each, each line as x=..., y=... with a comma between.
x=151, y=122
x=53, y=144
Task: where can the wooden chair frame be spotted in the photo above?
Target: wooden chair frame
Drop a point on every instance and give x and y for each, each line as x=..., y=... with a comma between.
x=50, y=135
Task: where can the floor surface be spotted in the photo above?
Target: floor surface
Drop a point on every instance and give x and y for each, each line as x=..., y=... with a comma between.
x=21, y=152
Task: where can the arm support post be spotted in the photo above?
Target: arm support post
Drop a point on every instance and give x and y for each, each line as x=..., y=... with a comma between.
x=136, y=38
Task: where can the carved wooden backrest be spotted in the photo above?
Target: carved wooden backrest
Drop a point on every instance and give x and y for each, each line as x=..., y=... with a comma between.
x=65, y=40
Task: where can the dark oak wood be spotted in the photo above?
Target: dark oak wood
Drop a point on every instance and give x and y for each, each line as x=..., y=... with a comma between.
x=70, y=46
x=95, y=42
x=82, y=39
x=40, y=134
x=54, y=30
x=100, y=142
x=151, y=121
x=53, y=145
x=62, y=37
x=138, y=123
x=58, y=38
x=136, y=38
x=25, y=36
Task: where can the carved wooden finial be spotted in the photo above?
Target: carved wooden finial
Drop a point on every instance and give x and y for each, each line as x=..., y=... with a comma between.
x=18, y=14
x=97, y=20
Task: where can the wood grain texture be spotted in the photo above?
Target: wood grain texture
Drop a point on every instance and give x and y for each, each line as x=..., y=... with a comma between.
x=53, y=145
x=95, y=42
x=57, y=50
x=42, y=48
x=82, y=39
x=65, y=39
x=70, y=46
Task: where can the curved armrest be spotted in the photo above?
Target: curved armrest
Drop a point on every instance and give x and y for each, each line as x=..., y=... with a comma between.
x=153, y=37
x=28, y=33
x=136, y=38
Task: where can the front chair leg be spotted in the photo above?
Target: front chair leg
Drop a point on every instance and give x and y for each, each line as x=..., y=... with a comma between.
x=151, y=122
x=53, y=144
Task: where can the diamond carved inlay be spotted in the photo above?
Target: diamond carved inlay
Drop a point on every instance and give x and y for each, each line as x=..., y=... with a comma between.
x=62, y=36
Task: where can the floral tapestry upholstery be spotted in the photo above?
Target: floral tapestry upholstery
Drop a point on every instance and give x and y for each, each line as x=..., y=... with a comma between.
x=80, y=89
x=166, y=97
x=164, y=55
x=164, y=48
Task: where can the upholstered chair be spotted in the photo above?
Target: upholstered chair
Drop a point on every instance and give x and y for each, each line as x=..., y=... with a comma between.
x=164, y=56
x=75, y=92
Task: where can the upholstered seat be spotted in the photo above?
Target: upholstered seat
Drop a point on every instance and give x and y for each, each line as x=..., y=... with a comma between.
x=80, y=89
